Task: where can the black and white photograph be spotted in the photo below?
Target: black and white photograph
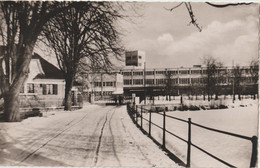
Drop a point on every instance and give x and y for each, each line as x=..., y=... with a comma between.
x=129, y=83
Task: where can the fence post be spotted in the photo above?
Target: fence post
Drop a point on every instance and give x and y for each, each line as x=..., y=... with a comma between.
x=164, y=124
x=136, y=117
x=141, y=117
x=254, y=151
x=150, y=120
x=189, y=142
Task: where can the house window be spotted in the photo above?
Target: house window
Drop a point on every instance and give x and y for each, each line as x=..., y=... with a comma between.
x=22, y=89
x=49, y=89
x=30, y=88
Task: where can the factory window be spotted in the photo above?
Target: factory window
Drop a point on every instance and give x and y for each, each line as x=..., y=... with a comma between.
x=184, y=71
x=173, y=72
x=149, y=81
x=109, y=83
x=138, y=81
x=175, y=81
x=97, y=84
x=160, y=72
x=184, y=80
x=195, y=80
x=160, y=81
x=127, y=82
x=138, y=73
x=127, y=73
x=195, y=71
x=149, y=73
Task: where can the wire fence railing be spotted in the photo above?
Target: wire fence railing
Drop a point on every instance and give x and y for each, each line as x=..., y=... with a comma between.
x=136, y=113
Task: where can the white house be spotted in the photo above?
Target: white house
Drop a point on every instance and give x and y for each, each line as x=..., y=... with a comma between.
x=44, y=86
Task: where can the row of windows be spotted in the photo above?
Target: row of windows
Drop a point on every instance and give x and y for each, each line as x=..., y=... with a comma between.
x=164, y=72
x=163, y=81
x=160, y=72
x=127, y=73
x=149, y=72
x=138, y=81
x=184, y=80
x=99, y=84
x=188, y=71
x=47, y=89
x=105, y=93
x=140, y=73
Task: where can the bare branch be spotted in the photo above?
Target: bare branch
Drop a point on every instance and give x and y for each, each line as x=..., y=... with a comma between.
x=192, y=16
x=171, y=9
x=227, y=4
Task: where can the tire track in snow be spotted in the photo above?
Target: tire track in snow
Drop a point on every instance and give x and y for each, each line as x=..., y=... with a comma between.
x=99, y=141
x=113, y=140
x=32, y=153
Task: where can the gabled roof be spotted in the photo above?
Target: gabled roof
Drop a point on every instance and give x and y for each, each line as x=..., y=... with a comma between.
x=50, y=71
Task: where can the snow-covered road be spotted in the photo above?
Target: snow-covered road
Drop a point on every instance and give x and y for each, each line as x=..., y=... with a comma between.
x=93, y=136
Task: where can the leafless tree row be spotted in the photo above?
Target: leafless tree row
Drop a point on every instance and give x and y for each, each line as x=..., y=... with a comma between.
x=74, y=30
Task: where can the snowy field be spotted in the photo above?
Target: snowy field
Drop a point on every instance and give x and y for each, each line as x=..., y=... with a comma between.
x=235, y=119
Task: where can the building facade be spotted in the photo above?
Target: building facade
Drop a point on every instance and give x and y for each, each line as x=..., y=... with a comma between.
x=105, y=86
x=44, y=86
x=194, y=80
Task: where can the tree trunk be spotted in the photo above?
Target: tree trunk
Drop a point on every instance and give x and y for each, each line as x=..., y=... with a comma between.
x=68, y=98
x=11, y=97
x=11, y=107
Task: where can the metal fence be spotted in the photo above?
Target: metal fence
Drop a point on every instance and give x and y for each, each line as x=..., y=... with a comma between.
x=136, y=113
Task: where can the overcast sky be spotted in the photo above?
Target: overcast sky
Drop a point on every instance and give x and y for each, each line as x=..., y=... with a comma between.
x=227, y=34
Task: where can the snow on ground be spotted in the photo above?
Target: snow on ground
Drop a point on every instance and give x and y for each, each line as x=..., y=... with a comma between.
x=93, y=136
x=224, y=100
x=235, y=119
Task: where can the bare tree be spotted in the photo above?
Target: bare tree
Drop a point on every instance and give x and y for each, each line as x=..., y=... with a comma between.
x=168, y=85
x=237, y=81
x=87, y=31
x=254, y=71
x=21, y=24
x=213, y=76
